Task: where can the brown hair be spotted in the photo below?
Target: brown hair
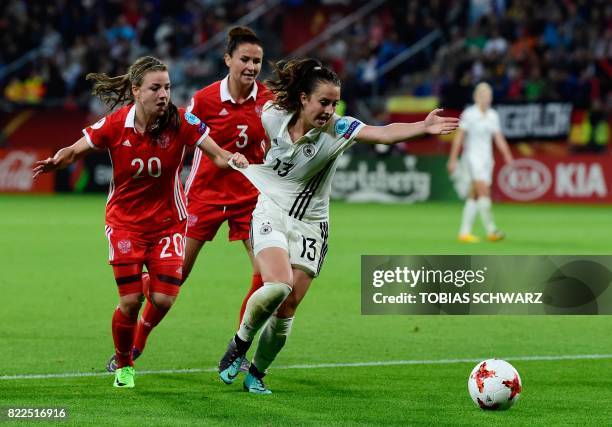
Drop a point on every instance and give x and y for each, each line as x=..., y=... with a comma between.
x=238, y=36
x=114, y=91
x=296, y=76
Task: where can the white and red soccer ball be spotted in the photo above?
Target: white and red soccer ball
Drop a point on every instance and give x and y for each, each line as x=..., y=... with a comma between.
x=494, y=384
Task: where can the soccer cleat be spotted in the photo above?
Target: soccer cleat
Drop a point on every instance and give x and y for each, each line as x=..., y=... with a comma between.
x=496, y=236
x=230, y=363
x=252, y=384
x=124, y=377
x=111, y=365
x=244, y=367
x=468, y=238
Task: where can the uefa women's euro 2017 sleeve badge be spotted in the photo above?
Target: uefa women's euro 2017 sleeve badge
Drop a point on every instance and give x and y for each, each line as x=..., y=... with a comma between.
x=341, y=126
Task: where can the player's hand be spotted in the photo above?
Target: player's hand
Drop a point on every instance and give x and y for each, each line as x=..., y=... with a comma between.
x=239, y=160
x=436, y=125
x=43, y=166
x=451, y=166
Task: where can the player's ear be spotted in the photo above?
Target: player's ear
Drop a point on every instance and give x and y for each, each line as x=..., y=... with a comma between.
x=303, y=98
x=228, y=59
x=135, y=90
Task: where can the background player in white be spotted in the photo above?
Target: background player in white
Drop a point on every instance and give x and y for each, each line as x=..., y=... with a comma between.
x=289, y=228
x=478, y=126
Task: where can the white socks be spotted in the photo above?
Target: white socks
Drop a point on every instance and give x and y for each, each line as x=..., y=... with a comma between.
x=271, y=341
x=260, y=307
x=469, y=214
x=484, y=207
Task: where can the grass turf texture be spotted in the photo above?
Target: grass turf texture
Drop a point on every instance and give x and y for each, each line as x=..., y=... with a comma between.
x=60, y=294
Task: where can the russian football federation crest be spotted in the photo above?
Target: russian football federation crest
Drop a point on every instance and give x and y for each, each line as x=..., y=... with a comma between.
x=266, y=228
x=258, y=110
x=124, y=246
x=163, y=140
x=191, y=220
x=308, y=150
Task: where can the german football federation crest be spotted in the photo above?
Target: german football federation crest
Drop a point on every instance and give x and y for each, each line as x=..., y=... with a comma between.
x=266, y=228
x=308, y=150
x=124, y=246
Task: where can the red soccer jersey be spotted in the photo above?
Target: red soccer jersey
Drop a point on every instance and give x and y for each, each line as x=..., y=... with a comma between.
x=235, y=127
x=146, y=194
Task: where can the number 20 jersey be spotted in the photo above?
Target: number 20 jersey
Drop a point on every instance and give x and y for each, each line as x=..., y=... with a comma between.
x=146, y=194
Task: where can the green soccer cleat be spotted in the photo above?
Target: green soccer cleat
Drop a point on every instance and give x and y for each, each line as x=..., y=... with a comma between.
x=124, y=377
x=252, y=384
x=229, y=366
x=111, y=365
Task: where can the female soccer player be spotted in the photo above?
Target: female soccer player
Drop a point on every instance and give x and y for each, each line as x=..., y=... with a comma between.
x=478, y=124
x=232, y=108
x=290, y=223
x=145, y=212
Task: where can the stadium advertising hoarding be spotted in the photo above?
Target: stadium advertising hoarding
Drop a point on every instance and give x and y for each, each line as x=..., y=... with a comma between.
x=362, y=177
x=547, y=178
x=550, y=120
x=16, y=172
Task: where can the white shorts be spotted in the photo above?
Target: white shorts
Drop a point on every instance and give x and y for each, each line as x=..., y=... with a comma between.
x=480, y=170
x=306, y=242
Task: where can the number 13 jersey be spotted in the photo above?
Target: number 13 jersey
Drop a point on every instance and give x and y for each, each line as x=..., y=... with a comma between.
x=297, y=176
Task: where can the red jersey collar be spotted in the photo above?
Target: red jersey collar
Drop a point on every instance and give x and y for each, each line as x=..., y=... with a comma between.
x=225, y=93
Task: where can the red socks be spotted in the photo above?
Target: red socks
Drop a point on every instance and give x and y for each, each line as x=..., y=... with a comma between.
x=123, y=336
x=150, y=318
x=256, y=283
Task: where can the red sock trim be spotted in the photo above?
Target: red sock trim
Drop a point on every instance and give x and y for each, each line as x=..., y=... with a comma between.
x=256, y=283
x=123, y=336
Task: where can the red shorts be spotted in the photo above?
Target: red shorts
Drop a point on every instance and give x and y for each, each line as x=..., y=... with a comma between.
x=162, y=247
x=204, y=220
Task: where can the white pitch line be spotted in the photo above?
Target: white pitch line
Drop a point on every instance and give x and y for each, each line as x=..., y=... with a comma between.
x=319, y=366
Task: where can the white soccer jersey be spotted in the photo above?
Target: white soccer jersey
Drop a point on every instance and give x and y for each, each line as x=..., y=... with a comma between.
x=479, y=129
x=297, y=176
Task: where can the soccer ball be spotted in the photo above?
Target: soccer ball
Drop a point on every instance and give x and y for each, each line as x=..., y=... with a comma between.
x=494, y=384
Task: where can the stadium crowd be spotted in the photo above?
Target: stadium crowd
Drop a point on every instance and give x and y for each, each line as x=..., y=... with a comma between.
x=556, y=50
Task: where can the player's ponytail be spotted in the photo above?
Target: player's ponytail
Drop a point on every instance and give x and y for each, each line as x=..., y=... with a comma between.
x=296, y=76
x=238, y=36
x=114, y=91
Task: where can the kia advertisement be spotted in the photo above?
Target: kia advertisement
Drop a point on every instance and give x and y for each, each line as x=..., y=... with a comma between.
x=547, y=178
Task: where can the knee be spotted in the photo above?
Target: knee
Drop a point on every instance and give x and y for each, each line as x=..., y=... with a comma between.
x=130, y=305
x=162, y=301
x=288, y=307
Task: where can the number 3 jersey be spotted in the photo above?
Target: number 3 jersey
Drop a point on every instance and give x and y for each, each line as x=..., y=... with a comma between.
x=146, y=194
x=235, y=128
x=297, y=176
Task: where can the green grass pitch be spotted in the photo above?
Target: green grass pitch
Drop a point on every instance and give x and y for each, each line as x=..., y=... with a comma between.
x=59, y=295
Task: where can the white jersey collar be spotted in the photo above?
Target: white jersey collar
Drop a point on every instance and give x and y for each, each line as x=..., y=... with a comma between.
x=225, y=93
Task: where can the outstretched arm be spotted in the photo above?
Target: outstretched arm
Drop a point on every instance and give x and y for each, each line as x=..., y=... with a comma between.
x=221, y=157
x=502, y=145
x=63, y=158
x=454, y=153
x=398, y=132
